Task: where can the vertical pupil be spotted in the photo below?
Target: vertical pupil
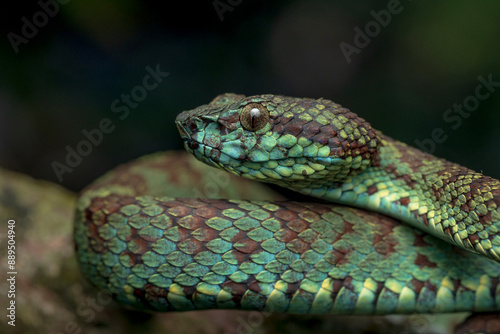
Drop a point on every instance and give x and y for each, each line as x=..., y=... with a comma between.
x=254, y=113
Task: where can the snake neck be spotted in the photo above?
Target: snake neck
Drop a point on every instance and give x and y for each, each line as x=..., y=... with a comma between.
x=443, y=198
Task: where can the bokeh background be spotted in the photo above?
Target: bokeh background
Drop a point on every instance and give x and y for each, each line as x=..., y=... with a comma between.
x=65, y=78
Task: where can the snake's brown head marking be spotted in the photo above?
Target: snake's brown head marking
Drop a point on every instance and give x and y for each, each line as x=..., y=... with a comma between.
x=279, y=139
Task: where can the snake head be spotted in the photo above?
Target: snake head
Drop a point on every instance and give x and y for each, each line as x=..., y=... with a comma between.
x=279, y=139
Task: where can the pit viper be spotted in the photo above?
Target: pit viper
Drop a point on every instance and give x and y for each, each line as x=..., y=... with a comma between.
x=334, y=254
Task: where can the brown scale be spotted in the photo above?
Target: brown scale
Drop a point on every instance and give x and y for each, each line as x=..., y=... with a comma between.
x=126, y=200
x=474, y=239
x=423, y=261
x=142, y=245
x=297, y=225
x=488, y=217
x=221, y=205
x=283, y=120
x=236, y=289
x=416, y=285
x=293, y=126
x=310, y=130
x=189, y=291
x=378, y=290
x=194, y=203
x=191, y=222
x=294, y=206
x=285, y=235
x=179, y=211
x=205, y=234
x=378, y=238
x=328, y=131
x=246, y=245
x=385, y=245
x=255, y=286
x=319, y=208
x=323, y=139
x=298, y=246
x=371, y=189
x=279, y=129
x=335, y=144
x=347, y=282
x=97, y=243
x=95, y=205
x=286, y=215
x=190, y=246
x=111, y=207
x=205, y=212
x=153, y=292
x=404, y=201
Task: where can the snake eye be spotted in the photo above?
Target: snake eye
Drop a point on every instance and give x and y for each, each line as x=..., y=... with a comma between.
x=254, y=116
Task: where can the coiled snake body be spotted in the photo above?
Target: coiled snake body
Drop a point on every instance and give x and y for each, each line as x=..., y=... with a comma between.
x=162, y=254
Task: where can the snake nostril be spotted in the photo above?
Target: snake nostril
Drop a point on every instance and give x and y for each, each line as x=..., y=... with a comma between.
x=192, y=125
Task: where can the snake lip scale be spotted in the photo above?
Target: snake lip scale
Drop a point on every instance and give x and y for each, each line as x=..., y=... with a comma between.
x=165, y=254
x=194, y=147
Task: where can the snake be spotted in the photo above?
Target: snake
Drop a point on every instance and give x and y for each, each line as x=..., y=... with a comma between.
x=385, y=228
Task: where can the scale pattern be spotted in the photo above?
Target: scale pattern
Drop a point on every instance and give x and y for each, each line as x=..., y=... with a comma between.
x=168, y=254
x=162, y=253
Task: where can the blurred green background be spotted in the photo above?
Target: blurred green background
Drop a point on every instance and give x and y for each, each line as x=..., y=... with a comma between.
x=64, y=79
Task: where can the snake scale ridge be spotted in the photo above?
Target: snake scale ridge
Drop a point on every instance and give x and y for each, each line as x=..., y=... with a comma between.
x=164, y=254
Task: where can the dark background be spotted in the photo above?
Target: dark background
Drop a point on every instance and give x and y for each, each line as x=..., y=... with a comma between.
x=65, y=78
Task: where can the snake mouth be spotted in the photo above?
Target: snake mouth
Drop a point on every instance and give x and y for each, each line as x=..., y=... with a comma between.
x=217, y=158
x=204, y=152
x=213, y=156
x=250, y=158
x=201, y=151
